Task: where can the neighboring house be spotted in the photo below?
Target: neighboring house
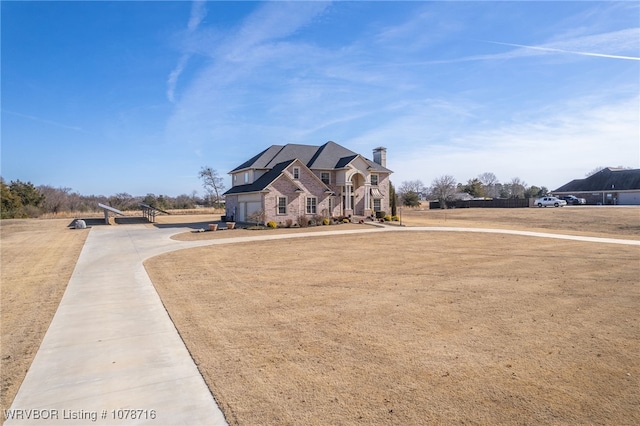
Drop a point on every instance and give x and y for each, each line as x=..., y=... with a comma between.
x=462, y=196
x=286, y=182
x=608, y=186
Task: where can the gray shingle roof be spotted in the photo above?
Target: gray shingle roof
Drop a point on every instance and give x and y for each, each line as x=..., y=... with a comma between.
x=325, y=157
x=605, y=180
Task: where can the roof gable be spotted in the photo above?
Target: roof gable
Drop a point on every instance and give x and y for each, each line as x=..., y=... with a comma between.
x=308, y=171
x=262, y=182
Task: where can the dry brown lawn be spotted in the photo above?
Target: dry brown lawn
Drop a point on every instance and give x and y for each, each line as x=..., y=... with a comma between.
x=418, y=328
x=386, y=329
x=621, y=222
x=37, y=260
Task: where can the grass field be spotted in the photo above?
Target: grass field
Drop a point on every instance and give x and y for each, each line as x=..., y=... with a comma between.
x=392, y=329
x=37, y=260
x=418, y=328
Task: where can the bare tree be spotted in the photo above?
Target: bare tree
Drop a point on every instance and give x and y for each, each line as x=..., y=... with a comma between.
x=443, y=189
x=212, y=183
x=258, y=217
x=56, y=199
x=490, y=184
x=594, y=171
x=411, y=186
x=122, y=201
x=410, y=192
x=517, y=188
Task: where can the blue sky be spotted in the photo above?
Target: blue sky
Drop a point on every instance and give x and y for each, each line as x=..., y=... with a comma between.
x=109, y=97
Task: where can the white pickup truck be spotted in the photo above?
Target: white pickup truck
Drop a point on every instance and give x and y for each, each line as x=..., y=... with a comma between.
x=550, y=201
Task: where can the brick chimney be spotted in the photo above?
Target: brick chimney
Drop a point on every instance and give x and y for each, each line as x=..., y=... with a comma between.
x=380, y=156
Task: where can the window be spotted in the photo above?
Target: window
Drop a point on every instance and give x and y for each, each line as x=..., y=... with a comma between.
x=296, y=172
x=282, y=205
x=376, y=206
x=246, y=177
x=325, y=177
x=312, y=203
x=374, y=180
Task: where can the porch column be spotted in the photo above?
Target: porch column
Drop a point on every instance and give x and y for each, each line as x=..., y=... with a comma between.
x=367, y=199
x=348, y=208
x=347, y=197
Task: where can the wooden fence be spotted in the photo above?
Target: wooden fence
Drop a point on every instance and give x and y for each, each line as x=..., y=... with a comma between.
x=500, y=203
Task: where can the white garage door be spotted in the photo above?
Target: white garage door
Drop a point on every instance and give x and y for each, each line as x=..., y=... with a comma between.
x=629, y=198
x=246, y=209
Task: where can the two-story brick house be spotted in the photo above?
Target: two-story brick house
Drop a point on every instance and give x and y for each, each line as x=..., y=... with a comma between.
x=292, y=181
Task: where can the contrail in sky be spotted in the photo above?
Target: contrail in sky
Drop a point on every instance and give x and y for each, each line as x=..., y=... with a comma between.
x=549, y=49
x=41, y=120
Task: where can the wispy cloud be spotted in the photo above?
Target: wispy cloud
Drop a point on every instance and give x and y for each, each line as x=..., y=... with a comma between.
x=198, y=13
x=566, y=140
x=248, y=62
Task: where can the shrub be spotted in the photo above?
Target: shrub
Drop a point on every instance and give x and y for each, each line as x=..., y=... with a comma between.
x=387, y=218
x=303, y=222
x=325, y=221
x=272, y=224
x=395, y=218
x=346, y=220
x=380, y=214
x=289, y=222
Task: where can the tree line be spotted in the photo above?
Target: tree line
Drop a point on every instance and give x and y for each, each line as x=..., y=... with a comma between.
x=486, y=185
x=26, y=200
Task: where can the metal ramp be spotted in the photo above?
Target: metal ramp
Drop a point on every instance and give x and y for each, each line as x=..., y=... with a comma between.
x=107, y=210
x=150, y=212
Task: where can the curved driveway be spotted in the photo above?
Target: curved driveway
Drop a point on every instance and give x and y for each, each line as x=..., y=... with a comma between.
x=112, y=353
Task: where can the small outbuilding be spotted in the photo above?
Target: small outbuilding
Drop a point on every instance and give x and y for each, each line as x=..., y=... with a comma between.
x=609, y=186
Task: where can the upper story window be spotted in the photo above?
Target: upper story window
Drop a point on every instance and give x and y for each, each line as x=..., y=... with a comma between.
x=325, y=177
x=296, y=172
x=374, y=180
x=246, y=177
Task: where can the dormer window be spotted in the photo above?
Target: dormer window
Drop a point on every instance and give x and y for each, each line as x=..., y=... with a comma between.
x=325, y=177
x=246, y=177
x=296, y=172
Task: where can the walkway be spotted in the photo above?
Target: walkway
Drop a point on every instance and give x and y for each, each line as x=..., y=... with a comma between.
x=112, y=348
